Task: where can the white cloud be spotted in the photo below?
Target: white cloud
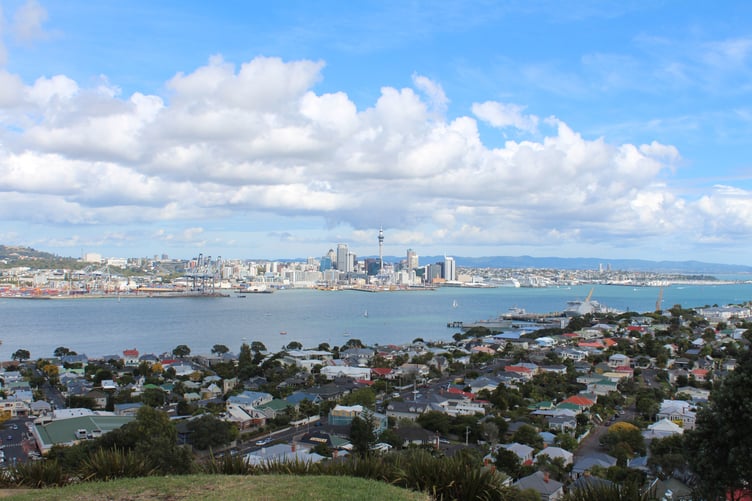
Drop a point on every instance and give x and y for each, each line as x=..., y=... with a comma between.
x=258, y=139
x=434, y=92
x=28, y=20
x=503, y=115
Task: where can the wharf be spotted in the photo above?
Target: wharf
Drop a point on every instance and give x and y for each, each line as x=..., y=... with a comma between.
x=515, y=321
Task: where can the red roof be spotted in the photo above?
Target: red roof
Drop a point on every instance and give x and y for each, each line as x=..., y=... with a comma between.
x=457, y=391
x=366, y=382
x=381, y=371
x=517, y=368
x=130, y=353
x=578, y=400
x=590, y=344
x=608, y=341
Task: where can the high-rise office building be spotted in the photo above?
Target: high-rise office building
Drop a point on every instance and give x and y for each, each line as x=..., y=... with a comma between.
x=412, y=259
x=345, y=259
x=450, y=273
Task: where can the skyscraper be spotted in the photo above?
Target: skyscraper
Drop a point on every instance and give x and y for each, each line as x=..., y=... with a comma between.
x=449, y=270
x=412, y=259
x=343, y=258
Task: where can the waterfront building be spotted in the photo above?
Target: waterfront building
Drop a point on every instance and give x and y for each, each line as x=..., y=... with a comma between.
x=343, y=262
x=412, y=259
x=450, y=271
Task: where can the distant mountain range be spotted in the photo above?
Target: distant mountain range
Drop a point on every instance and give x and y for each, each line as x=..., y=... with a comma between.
x=588, y=263
x=15, y=254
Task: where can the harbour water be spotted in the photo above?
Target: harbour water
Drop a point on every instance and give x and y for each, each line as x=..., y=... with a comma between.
x=108, y=326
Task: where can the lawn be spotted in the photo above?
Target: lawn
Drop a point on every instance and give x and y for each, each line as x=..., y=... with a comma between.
x=225, y=487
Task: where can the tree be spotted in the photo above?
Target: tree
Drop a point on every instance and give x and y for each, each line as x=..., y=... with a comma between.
x=61, y=351
x=220, y=349
x=208, y=431
x=51, y=371
x=362, y=396
x=181, y=351
x=623, y=440
x=719, y=449
x=434, y=421
x=151, y=436
x=257, y=346
x=667, y=455
x=362, y=435
x=21, y=355
x=528, y=435
x=81, y=402
x=353, y=343
x=153, y=397
x=294, y=345
x=508, y=462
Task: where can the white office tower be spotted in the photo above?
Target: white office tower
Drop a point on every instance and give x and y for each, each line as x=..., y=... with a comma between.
x=381, y=251
x=343, y=259
x=412, y=259
x=450, y=273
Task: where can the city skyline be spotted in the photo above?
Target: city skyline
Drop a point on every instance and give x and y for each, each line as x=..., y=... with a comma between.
x=473, y=129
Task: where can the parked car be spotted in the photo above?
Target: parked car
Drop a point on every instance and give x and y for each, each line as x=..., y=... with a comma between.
x=264, y=441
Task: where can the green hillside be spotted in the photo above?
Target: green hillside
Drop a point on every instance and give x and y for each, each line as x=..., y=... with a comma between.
x=201, y=487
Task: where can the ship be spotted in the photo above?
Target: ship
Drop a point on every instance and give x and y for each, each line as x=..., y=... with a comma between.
x=588, y=306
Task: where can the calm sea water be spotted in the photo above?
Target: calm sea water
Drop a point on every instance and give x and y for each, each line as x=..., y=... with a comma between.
x=108, y=326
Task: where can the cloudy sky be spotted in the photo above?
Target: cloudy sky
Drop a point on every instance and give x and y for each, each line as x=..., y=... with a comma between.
x=279, y=129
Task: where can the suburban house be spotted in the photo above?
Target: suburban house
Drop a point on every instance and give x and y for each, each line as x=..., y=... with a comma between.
x=548, y=488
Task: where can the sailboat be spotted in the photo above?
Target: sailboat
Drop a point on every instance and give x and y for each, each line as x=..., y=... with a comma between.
x=454, y=304
x=365, y=313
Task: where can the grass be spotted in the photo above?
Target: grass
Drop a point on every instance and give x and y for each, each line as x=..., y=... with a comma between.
x=225, y=487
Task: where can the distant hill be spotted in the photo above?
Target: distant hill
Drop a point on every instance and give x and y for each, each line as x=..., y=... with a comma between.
x=20, y=256
x=16, y=252
x=590, y=263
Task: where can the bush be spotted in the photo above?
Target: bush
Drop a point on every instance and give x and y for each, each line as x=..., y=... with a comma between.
x=108, y=464
x=36, y=474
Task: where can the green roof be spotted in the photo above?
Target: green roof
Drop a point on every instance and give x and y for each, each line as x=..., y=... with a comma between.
x=63, y=431
x=545, y=404
x=276, y=405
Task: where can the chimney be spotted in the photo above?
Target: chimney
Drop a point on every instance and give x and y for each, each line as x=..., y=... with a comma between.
x=335, y=453
x=546, y=477
x=293, y=447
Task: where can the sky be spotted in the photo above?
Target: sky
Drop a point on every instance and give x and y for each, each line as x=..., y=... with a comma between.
x=277, y=130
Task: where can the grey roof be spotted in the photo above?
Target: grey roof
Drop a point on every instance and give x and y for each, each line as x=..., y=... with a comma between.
x=538, y=482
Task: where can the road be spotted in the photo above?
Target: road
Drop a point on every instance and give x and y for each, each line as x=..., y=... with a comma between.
x=16, y=441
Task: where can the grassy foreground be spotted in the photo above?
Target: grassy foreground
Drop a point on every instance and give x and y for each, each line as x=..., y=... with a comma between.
x=226, y=487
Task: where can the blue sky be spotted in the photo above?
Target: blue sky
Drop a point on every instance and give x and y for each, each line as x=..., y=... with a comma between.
x=252, y=130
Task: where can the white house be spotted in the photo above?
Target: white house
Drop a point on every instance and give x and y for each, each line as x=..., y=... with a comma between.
x=662, y=429
x=556, y=452
x=678, y=411
x=332, y=372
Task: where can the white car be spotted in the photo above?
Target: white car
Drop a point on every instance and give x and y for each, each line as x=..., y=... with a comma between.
x=264, y=441
x=381, y=447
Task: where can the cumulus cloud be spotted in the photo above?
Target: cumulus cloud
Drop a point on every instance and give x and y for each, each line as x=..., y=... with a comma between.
x=27, y=22
x=257, y=139
x=503, y=115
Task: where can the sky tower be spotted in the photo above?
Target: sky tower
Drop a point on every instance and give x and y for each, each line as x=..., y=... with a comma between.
x=381, y=250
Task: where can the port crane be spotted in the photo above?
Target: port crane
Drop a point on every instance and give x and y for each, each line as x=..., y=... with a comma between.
x=205, y=274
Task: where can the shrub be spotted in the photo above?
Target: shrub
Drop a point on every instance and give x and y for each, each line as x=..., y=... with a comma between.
x=36, y=474
x=108, y=464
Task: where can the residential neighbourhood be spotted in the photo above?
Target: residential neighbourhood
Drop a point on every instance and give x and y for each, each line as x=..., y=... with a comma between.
x=590, y=401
